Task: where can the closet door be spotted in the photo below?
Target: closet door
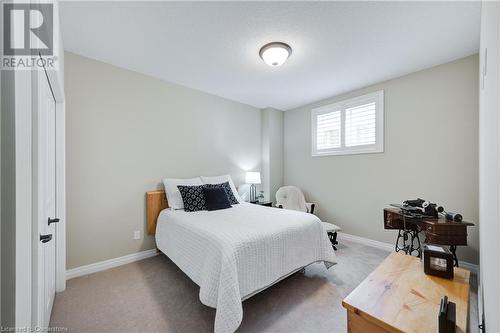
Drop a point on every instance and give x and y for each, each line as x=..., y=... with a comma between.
x=45, y=266
x=489, y=165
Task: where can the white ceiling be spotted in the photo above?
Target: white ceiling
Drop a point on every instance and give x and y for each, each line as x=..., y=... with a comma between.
x=213, y=46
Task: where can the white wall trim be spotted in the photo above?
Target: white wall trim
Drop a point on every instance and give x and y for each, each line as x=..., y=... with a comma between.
x=366, y=241
x=471, y=267
x=110, y=263
x=127, y=259
x=390, y=247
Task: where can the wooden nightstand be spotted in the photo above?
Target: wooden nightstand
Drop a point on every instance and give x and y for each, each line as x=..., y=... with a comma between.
x=264, y=203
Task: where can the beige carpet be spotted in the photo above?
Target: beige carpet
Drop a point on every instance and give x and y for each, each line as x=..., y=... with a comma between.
x=153, y=295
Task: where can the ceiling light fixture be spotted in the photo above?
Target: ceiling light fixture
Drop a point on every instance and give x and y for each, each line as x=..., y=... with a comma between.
x=275, y=54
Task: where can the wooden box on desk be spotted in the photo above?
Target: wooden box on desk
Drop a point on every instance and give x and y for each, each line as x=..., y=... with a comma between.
x=399, y=297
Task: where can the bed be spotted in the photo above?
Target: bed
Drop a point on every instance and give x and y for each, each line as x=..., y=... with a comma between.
x=234, y=253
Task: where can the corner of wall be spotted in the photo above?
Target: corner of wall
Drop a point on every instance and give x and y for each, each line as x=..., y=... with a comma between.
x=272, y=151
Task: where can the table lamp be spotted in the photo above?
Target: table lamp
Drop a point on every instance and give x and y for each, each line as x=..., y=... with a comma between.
x=253, y=178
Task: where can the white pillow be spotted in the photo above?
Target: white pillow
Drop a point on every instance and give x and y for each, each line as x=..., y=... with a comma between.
x=222, y=179
x=173, y=195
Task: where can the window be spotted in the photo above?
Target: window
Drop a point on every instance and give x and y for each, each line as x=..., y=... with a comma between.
x=353, y=126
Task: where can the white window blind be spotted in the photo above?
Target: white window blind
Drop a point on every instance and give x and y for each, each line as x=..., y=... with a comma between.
x=328, y=130
x=360, y=125
x=349, y=127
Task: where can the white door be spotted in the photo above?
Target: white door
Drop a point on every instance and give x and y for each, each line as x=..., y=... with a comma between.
x=45, y=265
x=489, y=165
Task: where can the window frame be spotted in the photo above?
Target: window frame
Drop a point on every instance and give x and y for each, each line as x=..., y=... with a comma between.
x=378, y=147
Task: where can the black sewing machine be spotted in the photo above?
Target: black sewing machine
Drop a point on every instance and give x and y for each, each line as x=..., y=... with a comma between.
x=420, y=208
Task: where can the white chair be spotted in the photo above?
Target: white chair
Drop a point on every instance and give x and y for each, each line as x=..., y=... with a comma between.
x=291, y=197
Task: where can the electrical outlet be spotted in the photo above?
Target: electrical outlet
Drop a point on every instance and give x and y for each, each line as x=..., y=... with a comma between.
x=137, y=234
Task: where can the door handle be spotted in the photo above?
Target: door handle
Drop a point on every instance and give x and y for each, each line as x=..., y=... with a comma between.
x=45, y=238
x=53, y=220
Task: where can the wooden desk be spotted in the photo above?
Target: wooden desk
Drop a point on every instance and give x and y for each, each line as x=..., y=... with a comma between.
x=437, y=230
x=399, y=297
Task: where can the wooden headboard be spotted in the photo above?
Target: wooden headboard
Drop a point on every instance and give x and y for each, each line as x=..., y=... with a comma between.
x=156, y=201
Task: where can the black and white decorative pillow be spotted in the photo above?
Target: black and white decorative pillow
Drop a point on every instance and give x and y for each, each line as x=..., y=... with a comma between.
x=229, y=192
x=192, y=197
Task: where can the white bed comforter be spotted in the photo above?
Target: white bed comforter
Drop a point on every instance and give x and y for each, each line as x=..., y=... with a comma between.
x=234, y=253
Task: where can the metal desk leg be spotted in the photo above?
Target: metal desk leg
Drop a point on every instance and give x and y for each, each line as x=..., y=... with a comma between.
x=415, y=245
x=453, y=249
x=409, y=242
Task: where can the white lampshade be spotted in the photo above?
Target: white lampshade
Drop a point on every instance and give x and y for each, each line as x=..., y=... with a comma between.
x=252, y=178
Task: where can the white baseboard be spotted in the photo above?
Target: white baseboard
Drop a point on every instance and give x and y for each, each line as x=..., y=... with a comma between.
x=471, y=267
x=366, y=241
x=390, y=247
x=107, y=264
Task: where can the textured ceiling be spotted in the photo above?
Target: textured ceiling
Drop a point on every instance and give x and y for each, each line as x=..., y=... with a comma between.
x=213, y=46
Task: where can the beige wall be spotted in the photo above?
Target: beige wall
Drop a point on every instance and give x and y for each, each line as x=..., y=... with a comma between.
x=431, y=151
x=125, y=132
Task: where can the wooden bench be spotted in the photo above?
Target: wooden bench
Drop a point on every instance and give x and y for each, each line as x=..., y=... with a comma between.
x=399, y=297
